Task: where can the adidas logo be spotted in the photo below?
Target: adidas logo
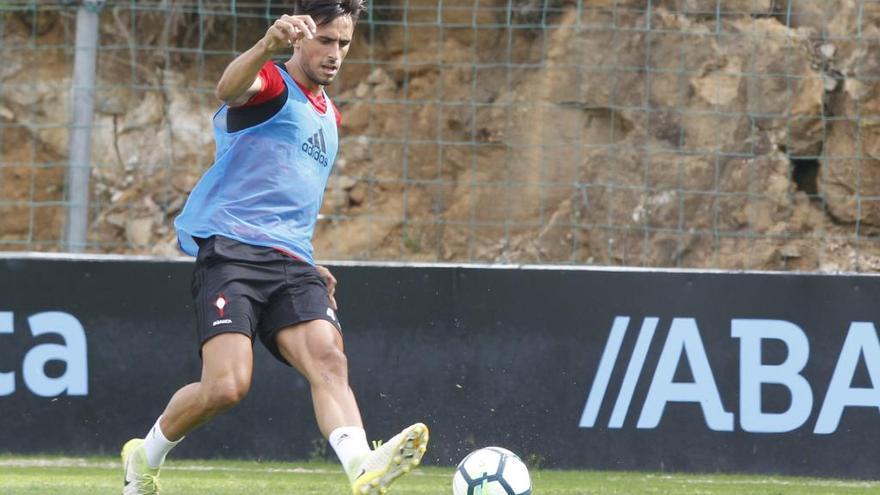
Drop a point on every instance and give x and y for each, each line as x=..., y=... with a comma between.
x=316, y=147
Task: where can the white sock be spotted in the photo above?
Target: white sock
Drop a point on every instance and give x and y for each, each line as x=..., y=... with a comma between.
x=350, y=444
x=156, y=446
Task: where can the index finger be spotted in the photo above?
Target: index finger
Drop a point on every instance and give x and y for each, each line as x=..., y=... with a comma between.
x=311, y=23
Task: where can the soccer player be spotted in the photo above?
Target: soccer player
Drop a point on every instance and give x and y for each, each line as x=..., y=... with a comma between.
x=250, y=221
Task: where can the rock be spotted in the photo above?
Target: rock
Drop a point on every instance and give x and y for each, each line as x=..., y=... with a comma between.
x=827, y=50
x=189, y=120
x=166, y=250
x=851, y=156
x=712, y=7
x=790, y=252
x=355, y=118
x=787, y=95
x=829, y=18
x=830, y=82
x=114, y=100
x=6, y=113
x=720, y=87
x=380, y=78
x=335, y=198
x=176, y=205
x=116, y=219
x=357, y=194
x=184, y=182
x=362, y=90
x=345, y=182
x=139, y=231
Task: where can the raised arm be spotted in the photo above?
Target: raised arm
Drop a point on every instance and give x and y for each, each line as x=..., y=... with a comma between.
x=239, y=81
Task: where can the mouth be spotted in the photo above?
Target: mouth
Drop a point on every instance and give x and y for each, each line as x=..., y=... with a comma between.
x=330, y=69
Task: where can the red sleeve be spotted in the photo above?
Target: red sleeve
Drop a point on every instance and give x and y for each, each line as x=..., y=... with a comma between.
x=273, y=85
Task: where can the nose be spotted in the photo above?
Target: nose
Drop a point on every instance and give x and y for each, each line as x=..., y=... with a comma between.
x=335, y=52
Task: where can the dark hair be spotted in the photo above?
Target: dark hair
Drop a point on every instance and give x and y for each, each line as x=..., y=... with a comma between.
x=325, y=11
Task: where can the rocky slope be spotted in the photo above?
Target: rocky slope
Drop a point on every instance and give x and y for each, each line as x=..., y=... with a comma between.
x=683, y=136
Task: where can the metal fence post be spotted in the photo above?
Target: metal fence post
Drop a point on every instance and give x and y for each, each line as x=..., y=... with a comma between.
x=80, y=147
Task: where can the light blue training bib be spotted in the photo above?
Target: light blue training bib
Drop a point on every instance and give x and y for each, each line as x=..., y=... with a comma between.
x=267, y=182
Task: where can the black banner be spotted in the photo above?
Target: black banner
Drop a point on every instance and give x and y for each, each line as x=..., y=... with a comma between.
x=648, y=370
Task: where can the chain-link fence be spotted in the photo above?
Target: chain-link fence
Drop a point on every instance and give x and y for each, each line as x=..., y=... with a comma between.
x=691, y=133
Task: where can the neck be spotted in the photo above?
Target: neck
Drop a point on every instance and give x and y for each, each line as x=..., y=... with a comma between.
x=299, y=75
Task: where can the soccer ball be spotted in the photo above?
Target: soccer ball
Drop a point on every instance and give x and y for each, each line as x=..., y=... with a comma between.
x=491, y=471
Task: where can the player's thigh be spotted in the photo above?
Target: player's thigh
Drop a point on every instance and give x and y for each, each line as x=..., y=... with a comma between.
x=301, y=310
x=228, y=358
x=310, y=345
x=229, y=293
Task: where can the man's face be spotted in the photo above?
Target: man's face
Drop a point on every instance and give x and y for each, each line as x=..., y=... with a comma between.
x=321, y=57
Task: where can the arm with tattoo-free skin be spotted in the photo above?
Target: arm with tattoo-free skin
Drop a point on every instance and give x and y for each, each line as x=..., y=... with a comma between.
x=239, y=81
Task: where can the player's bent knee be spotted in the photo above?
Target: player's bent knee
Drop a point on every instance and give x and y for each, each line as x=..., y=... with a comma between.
x=223, y=394
x=331, y=365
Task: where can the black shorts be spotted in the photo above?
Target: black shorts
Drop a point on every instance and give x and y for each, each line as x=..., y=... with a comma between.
x=255, y=291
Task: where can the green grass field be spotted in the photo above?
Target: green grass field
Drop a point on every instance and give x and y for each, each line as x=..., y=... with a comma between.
x=94, y=476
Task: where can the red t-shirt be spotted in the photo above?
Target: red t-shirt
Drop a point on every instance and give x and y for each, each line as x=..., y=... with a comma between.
x=273, y=85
